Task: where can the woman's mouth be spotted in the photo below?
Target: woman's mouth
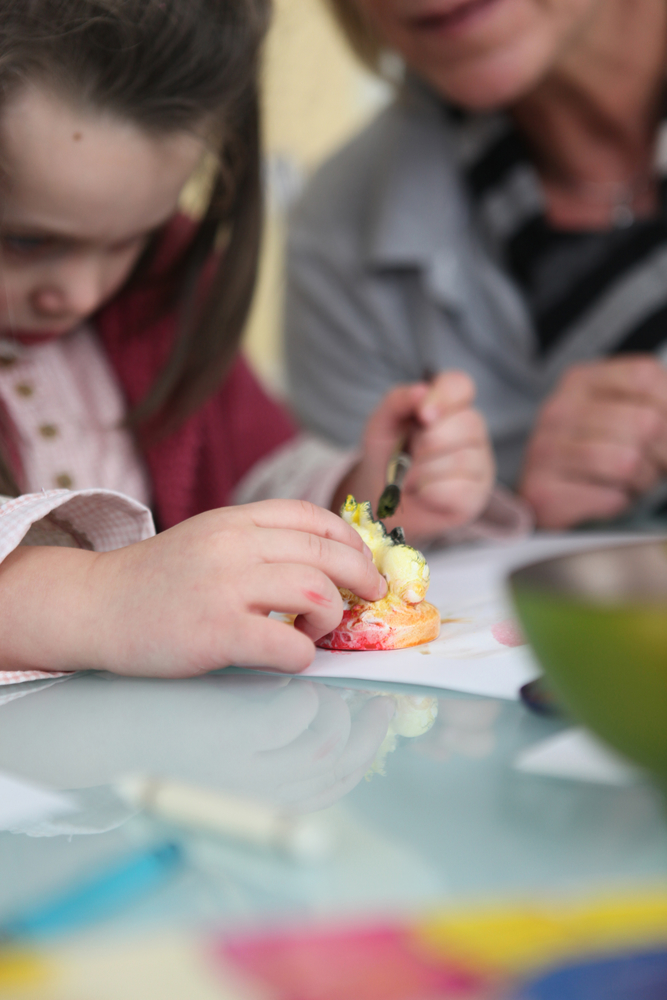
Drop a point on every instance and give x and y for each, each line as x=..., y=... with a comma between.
x=457, y=18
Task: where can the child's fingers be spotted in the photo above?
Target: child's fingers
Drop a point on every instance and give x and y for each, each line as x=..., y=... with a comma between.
x=254, y=641
x=339, y=562
x=298, y=515
x=448, y=392
x=294, y=590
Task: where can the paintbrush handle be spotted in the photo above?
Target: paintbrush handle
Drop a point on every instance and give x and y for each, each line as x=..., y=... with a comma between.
x=398, y=468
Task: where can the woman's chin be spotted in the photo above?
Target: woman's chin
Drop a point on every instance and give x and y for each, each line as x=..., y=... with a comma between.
x=491, y=82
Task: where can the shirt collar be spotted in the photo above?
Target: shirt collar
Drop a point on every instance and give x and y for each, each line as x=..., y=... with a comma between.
x=419, y=219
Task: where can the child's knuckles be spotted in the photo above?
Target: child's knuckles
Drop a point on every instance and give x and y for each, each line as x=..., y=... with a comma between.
x=314, y=518
x=316, y=585
x=233, y=546
x=318, y=549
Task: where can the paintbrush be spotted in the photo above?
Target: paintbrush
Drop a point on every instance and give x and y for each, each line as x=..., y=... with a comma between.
x=397, y=470
x=399, y=466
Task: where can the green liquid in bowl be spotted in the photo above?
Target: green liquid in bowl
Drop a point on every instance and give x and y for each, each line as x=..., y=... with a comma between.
x=606, y=661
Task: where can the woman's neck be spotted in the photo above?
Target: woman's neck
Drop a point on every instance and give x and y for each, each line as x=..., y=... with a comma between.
x=592, y=122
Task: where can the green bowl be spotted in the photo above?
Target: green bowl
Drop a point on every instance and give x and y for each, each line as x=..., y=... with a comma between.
x=597, y=622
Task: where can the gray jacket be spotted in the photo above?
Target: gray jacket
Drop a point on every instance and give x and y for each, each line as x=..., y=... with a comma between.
x=392, y=276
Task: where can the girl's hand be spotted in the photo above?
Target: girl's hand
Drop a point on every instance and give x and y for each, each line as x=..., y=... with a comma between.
x=600, y=442
x=191, y=600
x=453, y=470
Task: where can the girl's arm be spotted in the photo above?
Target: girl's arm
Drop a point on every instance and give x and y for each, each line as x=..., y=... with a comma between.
x=190, y=600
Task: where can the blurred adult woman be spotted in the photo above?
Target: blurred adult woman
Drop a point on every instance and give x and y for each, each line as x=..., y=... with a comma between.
x=507, y=215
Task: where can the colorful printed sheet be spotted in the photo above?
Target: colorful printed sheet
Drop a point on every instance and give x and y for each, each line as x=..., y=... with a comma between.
x=533, y=952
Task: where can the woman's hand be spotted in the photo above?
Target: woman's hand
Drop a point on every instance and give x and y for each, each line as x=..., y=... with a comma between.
x=190, y=600
x=452, y=472
x=600, y=442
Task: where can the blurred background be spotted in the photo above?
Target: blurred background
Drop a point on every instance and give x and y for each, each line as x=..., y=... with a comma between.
x=316, y=95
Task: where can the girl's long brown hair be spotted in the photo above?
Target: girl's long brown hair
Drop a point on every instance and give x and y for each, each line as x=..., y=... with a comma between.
x=165, y=65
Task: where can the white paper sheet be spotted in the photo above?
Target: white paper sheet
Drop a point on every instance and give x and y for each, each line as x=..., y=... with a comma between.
x=576, y=754
x=468, y=587
x=22, y=802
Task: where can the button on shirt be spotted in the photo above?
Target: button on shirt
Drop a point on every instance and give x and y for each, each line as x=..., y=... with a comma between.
x=67, y=409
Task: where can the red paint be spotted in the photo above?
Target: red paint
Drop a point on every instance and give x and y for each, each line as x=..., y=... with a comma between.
x=392, y=626
x=316, y=598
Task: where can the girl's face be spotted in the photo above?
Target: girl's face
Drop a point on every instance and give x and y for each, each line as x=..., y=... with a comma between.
x=81, y=197
x=481, y=53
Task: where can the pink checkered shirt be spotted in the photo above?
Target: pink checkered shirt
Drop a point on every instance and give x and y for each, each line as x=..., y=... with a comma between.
x=67, y=410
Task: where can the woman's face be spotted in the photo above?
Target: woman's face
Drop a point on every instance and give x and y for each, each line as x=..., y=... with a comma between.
x=481, y=53
x=80, y=198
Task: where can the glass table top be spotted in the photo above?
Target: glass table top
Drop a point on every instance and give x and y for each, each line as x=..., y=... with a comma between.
x=436, y=816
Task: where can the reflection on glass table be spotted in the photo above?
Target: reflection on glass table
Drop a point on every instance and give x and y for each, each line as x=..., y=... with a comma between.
x=417, y=788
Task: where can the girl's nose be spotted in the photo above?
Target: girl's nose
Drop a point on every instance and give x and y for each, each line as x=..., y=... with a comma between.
x=74, y=294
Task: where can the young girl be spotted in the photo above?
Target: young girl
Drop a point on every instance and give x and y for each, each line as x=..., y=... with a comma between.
x=120, y=387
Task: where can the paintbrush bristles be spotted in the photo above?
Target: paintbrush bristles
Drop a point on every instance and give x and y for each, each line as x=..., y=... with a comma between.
x=399, y=466
x=389, y=501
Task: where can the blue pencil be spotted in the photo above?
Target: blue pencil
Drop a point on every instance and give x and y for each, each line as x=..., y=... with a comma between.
x=97, y=898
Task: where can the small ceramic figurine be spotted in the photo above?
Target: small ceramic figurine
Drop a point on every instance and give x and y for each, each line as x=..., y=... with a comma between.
x=402, y=618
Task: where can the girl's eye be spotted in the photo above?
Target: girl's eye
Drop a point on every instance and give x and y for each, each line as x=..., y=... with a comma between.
x=25, y=245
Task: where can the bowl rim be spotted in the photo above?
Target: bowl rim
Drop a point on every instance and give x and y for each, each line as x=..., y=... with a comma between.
x=537, y=574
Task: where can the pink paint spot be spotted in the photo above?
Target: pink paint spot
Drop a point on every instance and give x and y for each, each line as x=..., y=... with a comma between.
x=508, y=633
x=316, y=598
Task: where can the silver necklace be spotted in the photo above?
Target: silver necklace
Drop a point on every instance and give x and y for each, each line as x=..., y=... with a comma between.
x=620, y=197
